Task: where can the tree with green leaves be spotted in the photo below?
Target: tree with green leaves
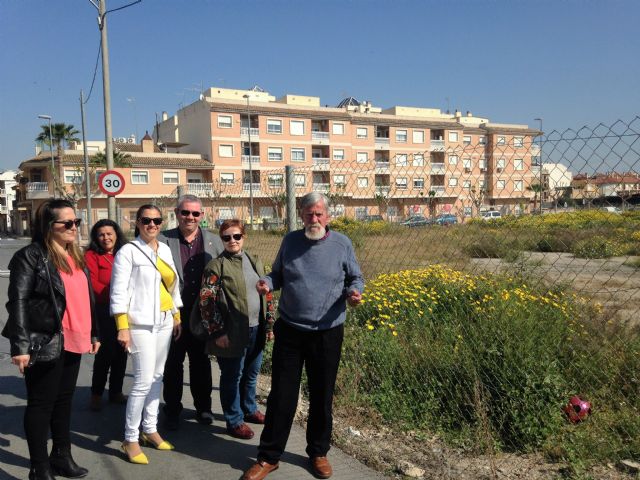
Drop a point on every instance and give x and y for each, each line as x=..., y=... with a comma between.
x=120, y=160
x=61, y=135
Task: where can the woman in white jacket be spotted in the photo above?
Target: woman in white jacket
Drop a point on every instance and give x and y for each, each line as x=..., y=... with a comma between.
x=145, y=301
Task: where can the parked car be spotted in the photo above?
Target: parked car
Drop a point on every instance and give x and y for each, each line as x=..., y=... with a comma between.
x=373, y=218
x=611, y=209
x=416, y=221
x=491, y=215
x=446, y=219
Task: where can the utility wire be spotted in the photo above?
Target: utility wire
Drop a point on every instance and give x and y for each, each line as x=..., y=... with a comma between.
x=123, y=7
x=95, y=70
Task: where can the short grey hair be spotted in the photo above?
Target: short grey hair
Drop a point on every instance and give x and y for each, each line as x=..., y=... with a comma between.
x=312, y=198
x=188, y=198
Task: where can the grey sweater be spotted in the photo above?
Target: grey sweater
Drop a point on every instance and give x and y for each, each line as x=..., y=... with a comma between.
x=315, y=277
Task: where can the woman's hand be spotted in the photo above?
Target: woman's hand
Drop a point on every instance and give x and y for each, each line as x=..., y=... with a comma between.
x=262, y=287
x=270, y=336
x=177, y=329
x=21, y=361
x=124, y=339
x=223, y=341
x=94, y=348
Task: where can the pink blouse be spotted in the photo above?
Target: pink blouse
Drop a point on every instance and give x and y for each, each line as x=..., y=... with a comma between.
x=76, y=321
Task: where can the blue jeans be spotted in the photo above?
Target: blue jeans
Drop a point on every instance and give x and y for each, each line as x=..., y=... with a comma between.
x=238, y=378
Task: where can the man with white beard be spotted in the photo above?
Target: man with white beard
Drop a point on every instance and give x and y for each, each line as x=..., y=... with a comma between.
x=317, y=271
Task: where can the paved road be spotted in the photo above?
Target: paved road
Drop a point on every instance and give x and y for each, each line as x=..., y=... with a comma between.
x=201, y=452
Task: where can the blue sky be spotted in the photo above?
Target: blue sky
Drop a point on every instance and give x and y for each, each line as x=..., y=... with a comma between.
x=572, y=63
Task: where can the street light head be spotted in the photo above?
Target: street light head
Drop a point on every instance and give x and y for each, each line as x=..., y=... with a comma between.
x=44, y=117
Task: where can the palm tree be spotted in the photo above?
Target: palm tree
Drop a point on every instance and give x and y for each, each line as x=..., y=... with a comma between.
x=62, y=134
x=537, y=190
x=120, y=160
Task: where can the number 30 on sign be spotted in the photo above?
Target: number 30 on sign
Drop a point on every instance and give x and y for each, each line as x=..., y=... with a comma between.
x=111, y=183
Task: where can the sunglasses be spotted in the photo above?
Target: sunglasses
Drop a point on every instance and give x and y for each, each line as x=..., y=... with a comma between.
x=146, y=220
x=68, y=224
x=227, y=238
x=185, y=213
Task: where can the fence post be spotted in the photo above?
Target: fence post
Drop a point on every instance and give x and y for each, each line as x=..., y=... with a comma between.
x=291, y=198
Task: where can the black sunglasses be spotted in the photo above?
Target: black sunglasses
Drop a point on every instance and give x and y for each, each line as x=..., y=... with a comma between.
x=227, y=238
x=147, y=220
x=68, y=224
x=185, y=213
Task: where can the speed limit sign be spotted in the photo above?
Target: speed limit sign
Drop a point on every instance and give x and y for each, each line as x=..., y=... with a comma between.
x=111, y=183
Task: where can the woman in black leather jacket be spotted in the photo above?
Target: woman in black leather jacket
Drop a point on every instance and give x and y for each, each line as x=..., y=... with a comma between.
x=48, y=332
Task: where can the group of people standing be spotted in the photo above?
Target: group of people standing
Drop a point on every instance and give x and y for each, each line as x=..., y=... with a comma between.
x=137, y=299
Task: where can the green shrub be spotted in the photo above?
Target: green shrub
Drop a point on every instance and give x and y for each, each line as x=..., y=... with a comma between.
x=597, y=247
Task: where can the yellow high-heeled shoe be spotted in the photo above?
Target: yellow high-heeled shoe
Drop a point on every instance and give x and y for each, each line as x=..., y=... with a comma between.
x=139, y=459
x=164, y=445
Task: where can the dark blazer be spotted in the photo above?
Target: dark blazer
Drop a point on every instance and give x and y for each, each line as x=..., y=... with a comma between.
x=30, y=305
x=212, y=248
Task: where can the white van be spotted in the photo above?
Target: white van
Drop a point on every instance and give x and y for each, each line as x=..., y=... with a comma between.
x=491, y=215
x=611, y=209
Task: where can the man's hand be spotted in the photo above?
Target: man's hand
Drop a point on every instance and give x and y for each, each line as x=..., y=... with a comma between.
x=222, y=341
x=94, y=348
x=354, y=297
x=262, y=287
x=21, y=361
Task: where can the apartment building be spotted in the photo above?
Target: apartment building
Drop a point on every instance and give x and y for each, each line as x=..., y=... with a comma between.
x=7, y=196
x=395, y=161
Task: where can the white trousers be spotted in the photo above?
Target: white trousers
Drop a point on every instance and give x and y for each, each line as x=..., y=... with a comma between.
x=149, y=350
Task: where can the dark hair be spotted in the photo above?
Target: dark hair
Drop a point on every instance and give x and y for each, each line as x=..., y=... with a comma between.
x=95, y=244
x=147, y=206
x=231, y=223
x=46, y=214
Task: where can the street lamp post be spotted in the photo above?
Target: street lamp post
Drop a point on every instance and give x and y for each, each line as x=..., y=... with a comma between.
x=540, y=160
x=53, y=165
x=250, y=163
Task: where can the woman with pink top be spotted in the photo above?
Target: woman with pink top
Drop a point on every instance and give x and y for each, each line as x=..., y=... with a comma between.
x=49, y=331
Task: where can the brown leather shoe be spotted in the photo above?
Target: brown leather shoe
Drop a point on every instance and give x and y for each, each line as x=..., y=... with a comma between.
x=259, y=470
x=242, y=431
x=321, y=467
x=255, y=417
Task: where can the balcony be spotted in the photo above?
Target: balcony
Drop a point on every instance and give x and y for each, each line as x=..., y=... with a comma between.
x=321, y=187
x=244, y=132
x=255, y=159
x=204, y=189
x=321, y=163
x=383, y=189
x=4, y=210
x=382, y=143
x=437, y=169
x=322, y=136
x=254, y=187
x=382, y=167
x=37, y=190
x=438, y=189
x=437, y=146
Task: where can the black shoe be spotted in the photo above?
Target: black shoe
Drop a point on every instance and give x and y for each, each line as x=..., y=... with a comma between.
x=172, y=422
x=204, y=417
x=41, y=473
x=62, y=464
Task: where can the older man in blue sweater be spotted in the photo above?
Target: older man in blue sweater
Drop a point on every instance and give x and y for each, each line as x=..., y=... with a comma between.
x=317, y=271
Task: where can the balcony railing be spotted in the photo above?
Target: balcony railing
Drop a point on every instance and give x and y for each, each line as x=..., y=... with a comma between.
x=383, y=189
x=438, y=189
x=437, y=145
x=321, y=163
x=200, y=188
x=321, y=187
x=254, y=187
x=4, y=210
x=437, y=169
x=382, y=165
x=382, y=140
x=244, y=131
x=320, y=135
x=37, y=187
x=255, y=159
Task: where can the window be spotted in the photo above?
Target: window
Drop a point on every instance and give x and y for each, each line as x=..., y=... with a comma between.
x=296, y=127
x=339, y=180
x=297, y=155
x=466, y=163
x=225, y=150
x=225, y=121
x=338, y=154
x=418, y=183
x=401, y=183
x=362, y=157
x=98, y=173
x=361, y=132
x=300, y=179
x=453, y=181
x=453, y=136
x=453, y=159
x=170, y=177
x=337, y=128
x=401, y=136
x=483, y=164
x=267, y=212
x=501, y=140
x=274, y=126
x=418, y=136
x=73, y=176
x=481, y=185
x=500, y=184
x=418, y=160
x=468, y=211
x=226, y=213
x=517, y=185
x=518, y=164
x=466, y=140
x=466, y=184
x=401, y=160
x=275, y=154
x=518, y=141
x=227, y=178
x=275, y=180
x=363, y=182
x=501, y=163
x=482, y=140
x=139, y=177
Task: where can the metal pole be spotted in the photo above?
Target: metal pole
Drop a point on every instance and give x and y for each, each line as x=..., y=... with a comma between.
x=87, y=176
x=53, y=162
x=291, y=198
x=540, y=162
x=250, y=165
x=106, y=86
